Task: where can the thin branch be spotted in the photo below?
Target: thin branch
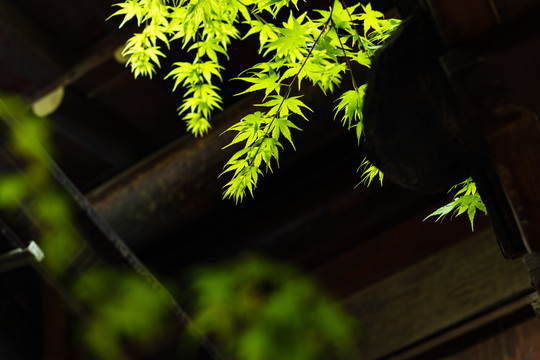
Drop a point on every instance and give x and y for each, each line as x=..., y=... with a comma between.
x=267, y=128
x=349, y=67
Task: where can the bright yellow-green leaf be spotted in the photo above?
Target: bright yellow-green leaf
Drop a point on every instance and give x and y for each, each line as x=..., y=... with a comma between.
x=267, y=82
x=293, y=39
x=351, y=103
x=130, y=9
x=466, y=200
x=370, y=172
x=370, y=18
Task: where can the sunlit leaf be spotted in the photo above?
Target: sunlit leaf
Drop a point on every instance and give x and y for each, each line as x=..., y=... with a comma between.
x=370, y=18
x=267, y=82
x=351, y=104
x=370, y=172
x=466, y=201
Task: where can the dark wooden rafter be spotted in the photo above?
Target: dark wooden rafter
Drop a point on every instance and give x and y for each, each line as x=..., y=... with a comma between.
x=54, y=66
x=501, y=109
x=518, y=341
x=414, y=289
x=39, y=65
x=427, y=300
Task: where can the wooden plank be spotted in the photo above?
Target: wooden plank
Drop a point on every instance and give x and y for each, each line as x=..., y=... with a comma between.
x=501, y=106
x=515, y=150
x=385, y=254
x=435, y=294
x=518, y=342
x=509, y=9
x=451, y=342
x=459, y=20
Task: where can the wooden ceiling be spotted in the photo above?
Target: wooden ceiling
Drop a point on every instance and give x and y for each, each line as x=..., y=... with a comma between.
x=122, y=144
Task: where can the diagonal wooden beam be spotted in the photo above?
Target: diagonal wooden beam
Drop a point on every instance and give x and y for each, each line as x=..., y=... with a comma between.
x=449, y=288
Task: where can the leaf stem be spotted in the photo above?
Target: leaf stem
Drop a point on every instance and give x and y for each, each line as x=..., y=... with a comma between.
x=352, y=22
x=290, y=85
x=349, y=67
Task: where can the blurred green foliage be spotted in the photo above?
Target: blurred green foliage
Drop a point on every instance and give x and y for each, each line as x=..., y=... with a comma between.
x=30, y=185
x=261, y=310
x=124, y=309
x=257, y=309
x=122, y=306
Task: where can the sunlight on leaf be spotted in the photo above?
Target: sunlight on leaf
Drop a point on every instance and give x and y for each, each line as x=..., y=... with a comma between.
x=466, y=200
x=369, y=173
x=318, y=49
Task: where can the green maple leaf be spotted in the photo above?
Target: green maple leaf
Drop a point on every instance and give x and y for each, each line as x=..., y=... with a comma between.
x=273, y=6
x=267, y=32
x=362, y=58
x=370, y=172
x=285, y=106
x=209, y=48
x=370, y=18
x=268, y=82
x=466, y=200
x=331, y=46
x=293, y=41
x=283, y=126
x=249, y=129
x=351, y=103
x=130, y=9
x=341, y=17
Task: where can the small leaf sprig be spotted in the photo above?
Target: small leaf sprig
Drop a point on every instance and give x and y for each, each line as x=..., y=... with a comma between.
x=467, y=200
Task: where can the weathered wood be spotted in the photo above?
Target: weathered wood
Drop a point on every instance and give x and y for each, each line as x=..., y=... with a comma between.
x=435, y=294
x=460, y=337
x=178, y=184
x=30, y=67
x=459, y=20
x=392, y=251
x=519, y=342
x=516, y=153
x=95, y=56
x=501, y=106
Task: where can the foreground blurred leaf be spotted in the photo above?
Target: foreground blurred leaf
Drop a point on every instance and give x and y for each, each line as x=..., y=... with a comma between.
x=261, y=310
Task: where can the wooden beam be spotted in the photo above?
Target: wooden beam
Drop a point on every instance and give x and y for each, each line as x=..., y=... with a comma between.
x=434, y=295
x=395, y=248
x=100, y=52
x=463, y=19
x=517, y=342
x=460, y=337
x=500, y=106
x=460, y=20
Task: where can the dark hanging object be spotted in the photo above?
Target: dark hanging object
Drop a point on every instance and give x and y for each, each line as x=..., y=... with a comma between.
x=409, y=111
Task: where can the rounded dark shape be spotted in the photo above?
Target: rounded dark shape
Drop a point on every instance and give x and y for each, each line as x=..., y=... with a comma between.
x=409, y=111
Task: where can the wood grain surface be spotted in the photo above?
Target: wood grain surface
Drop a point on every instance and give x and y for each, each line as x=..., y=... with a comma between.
x=521, y=342
x=444, y=290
